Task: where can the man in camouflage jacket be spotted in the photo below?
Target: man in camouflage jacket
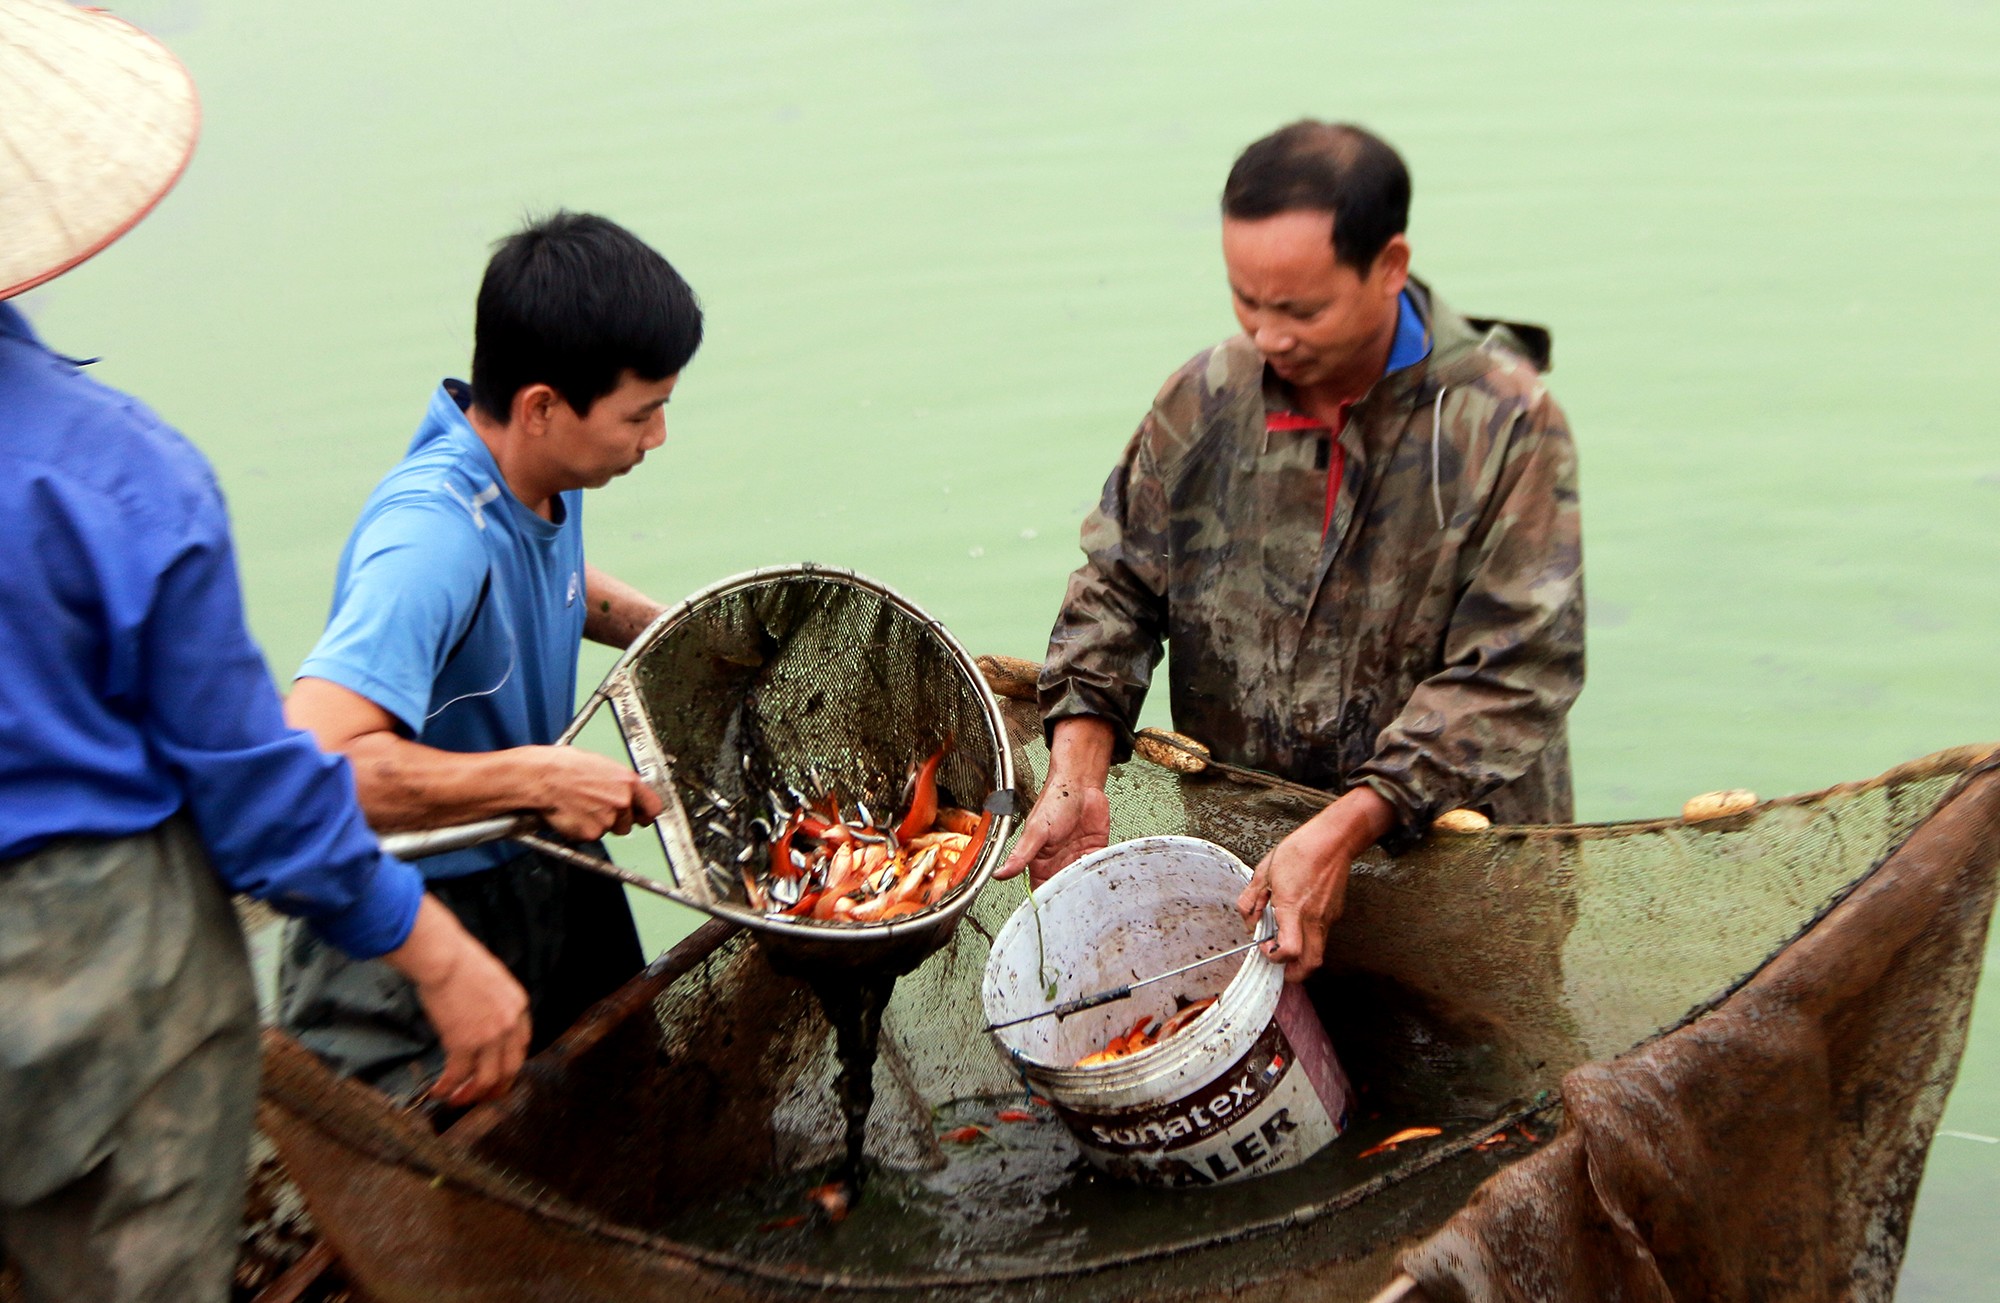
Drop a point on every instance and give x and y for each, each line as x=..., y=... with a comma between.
x=1355, y=523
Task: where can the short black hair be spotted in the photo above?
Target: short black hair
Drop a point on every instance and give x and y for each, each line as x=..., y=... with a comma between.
x=574, y=301
x=1329, y=167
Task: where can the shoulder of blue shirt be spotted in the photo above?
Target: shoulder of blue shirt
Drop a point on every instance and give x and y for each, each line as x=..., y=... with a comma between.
x=66, y=426
x=69, y=426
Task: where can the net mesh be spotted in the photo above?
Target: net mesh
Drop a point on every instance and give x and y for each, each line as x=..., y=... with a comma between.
x=1464, y=981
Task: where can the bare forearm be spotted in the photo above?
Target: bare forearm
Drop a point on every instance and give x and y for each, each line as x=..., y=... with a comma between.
x=1080, y=752
x=406, y=785
x=618, y=612
x=1071, y=818
x=1353, y=823
x=1304, y=878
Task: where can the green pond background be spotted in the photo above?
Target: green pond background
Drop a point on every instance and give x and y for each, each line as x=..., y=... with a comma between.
x=949, y=248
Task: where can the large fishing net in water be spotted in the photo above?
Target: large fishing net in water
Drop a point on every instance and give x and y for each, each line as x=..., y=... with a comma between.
x=1664, y=1059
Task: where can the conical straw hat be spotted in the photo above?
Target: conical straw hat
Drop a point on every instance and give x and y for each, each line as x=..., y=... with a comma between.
x=97, y=121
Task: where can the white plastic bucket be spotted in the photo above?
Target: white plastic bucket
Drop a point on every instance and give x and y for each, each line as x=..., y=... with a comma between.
x=1251, y=1086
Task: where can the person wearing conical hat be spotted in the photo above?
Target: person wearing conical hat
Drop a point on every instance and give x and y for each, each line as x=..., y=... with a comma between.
x=146, y=768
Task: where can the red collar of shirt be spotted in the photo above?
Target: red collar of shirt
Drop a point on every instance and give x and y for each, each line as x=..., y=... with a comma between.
x=1336, y=462
x=1298, y=420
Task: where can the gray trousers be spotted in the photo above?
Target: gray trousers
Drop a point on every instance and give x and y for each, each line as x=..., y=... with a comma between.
x=128, y=1070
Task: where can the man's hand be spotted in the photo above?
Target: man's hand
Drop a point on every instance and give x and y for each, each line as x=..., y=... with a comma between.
x=1072, y=817
x=479, y=1010
x=1068, y=822
x=1304, y=878
x=585, y=795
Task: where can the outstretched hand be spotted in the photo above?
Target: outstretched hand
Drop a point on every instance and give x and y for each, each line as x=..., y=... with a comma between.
x=1071, y=818
x=1067, y=823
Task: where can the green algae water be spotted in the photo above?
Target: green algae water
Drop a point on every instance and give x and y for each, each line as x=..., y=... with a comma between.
x=1015, y=1198
x=949, y=248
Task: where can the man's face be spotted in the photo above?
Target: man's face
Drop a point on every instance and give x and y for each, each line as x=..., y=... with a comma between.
x=616, y=434
x=1315, y=320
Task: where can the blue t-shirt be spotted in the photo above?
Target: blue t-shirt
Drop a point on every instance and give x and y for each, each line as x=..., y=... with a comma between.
x=129, y=687
x=455, y=608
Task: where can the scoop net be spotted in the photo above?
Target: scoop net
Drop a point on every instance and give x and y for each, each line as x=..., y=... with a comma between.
x=804, y=680
x=660, y=1148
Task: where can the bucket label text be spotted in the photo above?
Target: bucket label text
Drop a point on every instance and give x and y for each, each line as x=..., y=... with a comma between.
x=1207, y=1112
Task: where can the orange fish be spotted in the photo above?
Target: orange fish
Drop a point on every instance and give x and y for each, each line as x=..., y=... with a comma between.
x=784, y=1223
x=1184, y=1017
x=958, y=821
x=1407, y=1133
x=964, y=1135
x=832, y=1199
x=1016, y=1115
x=923, y=800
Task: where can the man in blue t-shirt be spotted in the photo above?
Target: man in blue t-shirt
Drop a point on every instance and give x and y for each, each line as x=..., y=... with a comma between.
x=448, y=665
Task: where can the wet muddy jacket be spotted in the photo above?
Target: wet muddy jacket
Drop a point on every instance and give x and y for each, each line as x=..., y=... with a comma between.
x=1428, y=643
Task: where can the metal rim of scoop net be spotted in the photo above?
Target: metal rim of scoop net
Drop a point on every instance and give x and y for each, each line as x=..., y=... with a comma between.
x=1003, y=760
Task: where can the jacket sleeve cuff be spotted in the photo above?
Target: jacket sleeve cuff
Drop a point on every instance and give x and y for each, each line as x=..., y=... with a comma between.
x=1069, y=697
x=1413, y=815
x=381, y=916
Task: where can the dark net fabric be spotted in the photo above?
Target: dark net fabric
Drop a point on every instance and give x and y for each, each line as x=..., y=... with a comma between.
x=1490, y=981
x=1772, y=1149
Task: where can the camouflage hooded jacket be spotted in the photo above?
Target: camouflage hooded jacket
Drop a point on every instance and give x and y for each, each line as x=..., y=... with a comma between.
x=1421, y=632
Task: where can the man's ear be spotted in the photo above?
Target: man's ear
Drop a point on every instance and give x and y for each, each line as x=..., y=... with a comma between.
x=533, y=406
x=1392, y=267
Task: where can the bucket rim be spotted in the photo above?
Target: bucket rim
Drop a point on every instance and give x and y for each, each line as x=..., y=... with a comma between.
x=1144, y=1064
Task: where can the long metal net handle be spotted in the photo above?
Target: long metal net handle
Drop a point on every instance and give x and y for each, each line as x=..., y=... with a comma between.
x=1016, y=678
x=575, y=858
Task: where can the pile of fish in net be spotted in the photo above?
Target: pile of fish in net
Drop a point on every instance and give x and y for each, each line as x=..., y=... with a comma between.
x=835, y=867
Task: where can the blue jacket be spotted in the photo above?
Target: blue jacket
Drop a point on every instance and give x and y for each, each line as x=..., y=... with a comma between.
x=129, y=687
